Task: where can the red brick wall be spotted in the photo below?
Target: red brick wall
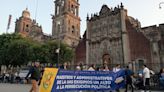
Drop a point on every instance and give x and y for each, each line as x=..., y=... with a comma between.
x=139, y=44
x=81, y=51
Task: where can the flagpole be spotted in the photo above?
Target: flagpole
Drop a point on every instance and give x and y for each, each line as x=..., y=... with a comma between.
x=9, y=22
x=6, y=30
x=36, y=9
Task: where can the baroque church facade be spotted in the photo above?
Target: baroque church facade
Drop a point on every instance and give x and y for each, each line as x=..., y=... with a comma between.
x=113, y=37
x=107, y=40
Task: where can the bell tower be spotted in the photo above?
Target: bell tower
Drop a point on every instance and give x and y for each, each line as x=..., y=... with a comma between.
x=26, y=26
x=66, y=22
x=24, y=23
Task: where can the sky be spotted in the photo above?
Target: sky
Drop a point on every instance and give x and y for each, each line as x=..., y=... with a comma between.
x=146, y=11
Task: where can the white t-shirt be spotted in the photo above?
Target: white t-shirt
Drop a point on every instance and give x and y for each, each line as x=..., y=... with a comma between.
x=78, y=68
x=116, y=69
x=146, y=73
x=91, y=69
x=105, y=69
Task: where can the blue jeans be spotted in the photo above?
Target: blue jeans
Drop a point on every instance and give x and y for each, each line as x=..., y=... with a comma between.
x=162, y=82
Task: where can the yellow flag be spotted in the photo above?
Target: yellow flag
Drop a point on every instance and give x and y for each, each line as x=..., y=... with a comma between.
x=48, y=79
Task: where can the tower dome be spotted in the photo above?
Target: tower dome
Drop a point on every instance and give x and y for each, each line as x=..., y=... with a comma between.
x=26, y=13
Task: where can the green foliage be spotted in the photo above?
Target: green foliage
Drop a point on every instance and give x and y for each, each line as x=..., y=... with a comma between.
x=6, y=41
x=51, y=47
x=66, y=54
x=16, y=51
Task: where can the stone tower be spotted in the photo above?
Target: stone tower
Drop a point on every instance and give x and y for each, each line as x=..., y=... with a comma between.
x=66, y=22
x=26, y=26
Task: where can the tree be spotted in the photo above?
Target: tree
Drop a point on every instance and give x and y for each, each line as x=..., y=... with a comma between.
x=65, y=53
x=51, y=47
x=5, y=40
x=38, y=52
x=16, y=51
x=19, y=52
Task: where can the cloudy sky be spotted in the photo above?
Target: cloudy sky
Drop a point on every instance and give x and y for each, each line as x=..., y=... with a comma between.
x=146, y=11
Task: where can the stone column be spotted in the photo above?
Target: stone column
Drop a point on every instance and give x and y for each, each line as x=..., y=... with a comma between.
x=125, y=38
x=155, y=57
x=66, y=6
x=87, y=44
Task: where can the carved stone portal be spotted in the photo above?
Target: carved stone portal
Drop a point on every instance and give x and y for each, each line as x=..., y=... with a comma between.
x=106, y=59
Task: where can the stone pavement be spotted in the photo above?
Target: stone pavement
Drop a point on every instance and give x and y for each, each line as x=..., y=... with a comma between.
x=5, y=87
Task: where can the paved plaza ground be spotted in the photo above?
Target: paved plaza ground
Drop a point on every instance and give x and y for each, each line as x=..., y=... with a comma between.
x=14, y=87
x=5, y=87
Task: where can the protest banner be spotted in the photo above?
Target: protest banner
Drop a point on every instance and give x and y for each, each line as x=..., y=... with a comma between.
x=85, y=80
x=48, y=78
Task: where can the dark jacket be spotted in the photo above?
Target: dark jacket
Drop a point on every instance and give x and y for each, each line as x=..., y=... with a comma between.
x=128, y=74
x=35, y=73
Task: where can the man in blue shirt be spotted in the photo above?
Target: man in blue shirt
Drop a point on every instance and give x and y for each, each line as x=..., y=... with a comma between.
x=128, y=74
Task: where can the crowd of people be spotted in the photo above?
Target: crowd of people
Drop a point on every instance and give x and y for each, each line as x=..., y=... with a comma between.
x=132, y=79
x=142, y=81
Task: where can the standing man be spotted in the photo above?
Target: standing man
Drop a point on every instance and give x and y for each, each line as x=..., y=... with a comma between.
x=146, y=76
x=116, y=69
x=91, y=68
x=35, y=76
x=129, y=75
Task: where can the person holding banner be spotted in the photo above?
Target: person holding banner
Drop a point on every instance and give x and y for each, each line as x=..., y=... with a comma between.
x=35, y=76
x=128, y=74
x=116, y=69
x=91, y=68
x=105, y=68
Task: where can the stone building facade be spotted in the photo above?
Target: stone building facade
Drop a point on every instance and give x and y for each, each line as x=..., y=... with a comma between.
x=140, y=50
x=161, y=45
x=155, y=34
x=66, y=22
x=107, y=39
x=81, y=51
x=113, y=37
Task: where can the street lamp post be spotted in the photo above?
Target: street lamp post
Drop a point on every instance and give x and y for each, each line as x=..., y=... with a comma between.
x=58, y=54
x=74, y=53
x=160, y=4
x=58, y=49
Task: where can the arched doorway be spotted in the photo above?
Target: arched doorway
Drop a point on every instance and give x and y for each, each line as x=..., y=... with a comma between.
x=106, y=59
